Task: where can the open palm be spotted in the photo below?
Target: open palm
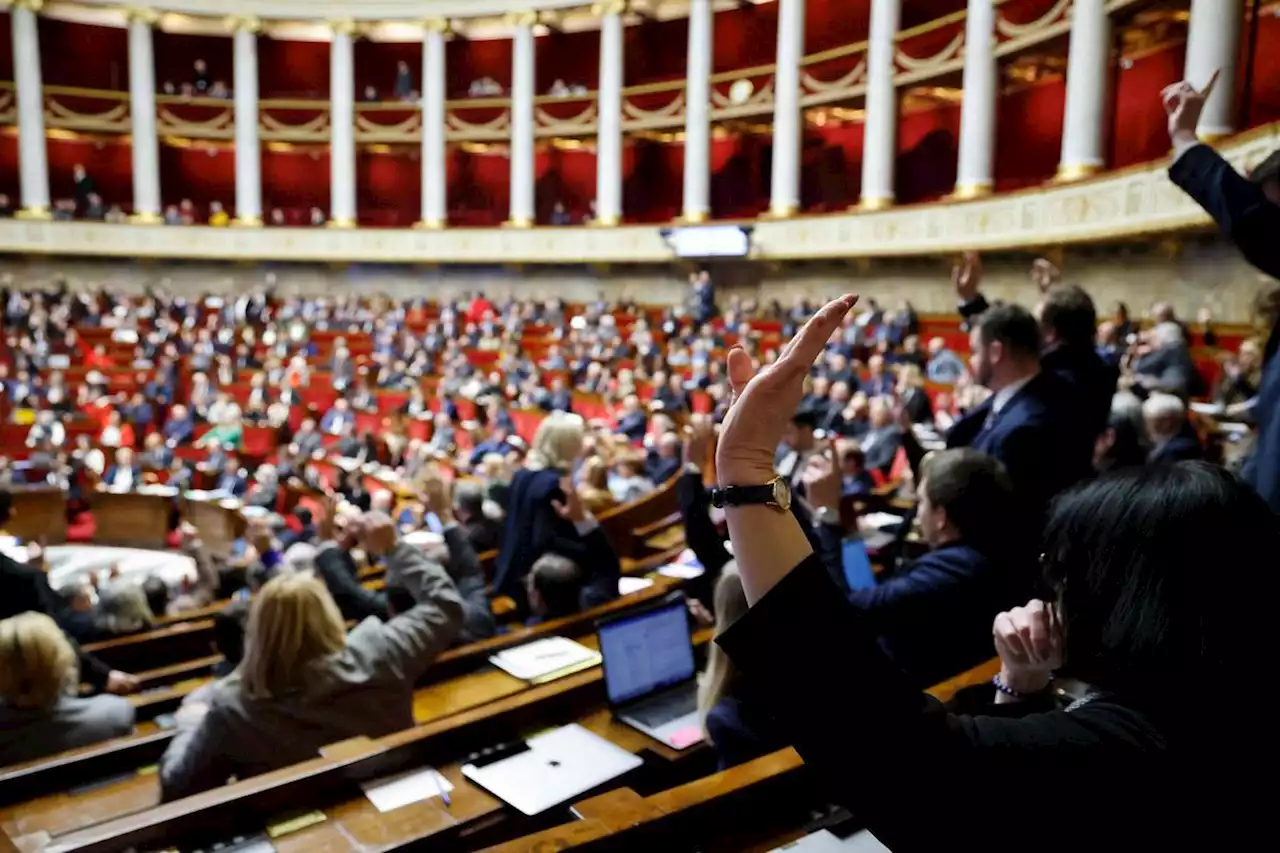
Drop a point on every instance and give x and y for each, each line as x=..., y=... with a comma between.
x=764, y=401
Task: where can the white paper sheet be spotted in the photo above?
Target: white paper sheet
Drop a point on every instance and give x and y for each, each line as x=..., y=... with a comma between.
x=627, y=585
x=681, y=571
x=543, y=657
x=413, y=786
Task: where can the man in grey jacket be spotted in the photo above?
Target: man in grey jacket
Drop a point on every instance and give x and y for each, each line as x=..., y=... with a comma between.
x=279, y=708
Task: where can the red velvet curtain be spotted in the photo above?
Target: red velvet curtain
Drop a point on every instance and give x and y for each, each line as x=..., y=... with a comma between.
x=199, y=173
x=295, y=181
x=376, y=64
x=6, y=48
x=467, y=61
x=1029, y=134
x=1263, y=105
x=83, y=55
x=927, y=150
x=293, y=69
x=389, y=187
x=1140, y=133
x=176, y=52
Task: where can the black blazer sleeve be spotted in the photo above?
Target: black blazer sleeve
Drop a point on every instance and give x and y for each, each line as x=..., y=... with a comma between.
x=468, y=576
x=972, y=309
x=353, y=600
x=868, y=735
x=1237, y=204
x=701, y=535
x=602, y=567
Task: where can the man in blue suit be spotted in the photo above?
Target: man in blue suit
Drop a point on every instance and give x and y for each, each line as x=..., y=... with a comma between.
x=230, y=480
x=1248, y=211
x=1030, y=423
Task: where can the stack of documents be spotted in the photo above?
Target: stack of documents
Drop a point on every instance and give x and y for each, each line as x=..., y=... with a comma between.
x=546, y=660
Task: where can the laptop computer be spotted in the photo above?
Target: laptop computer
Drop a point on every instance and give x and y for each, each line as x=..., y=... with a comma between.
x=650, y=674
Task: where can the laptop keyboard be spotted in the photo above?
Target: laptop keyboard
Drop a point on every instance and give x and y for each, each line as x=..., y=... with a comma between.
x=663, y=709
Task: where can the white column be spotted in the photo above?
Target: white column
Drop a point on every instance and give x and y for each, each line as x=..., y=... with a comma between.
x=522, y=93
x=248, y=149
x=976, y=173
x=1084, y=119
x=1213, y=44
x=697, y=114
x=879, y=147
x=609, y=114
x=784, y=194
x=342, y=127
x=33, y=156
x=142, y=112
x=435, y=189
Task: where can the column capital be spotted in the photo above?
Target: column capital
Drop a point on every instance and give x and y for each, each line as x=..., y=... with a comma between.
x=610, y=7
x=33, y=5
x=243, y=23
x=521, y=19
x=143, y=14
x=443, y=26
x=342, y=27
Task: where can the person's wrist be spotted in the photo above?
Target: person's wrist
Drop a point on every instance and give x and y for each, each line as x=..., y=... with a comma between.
x=729, y=474
x=1025, y=682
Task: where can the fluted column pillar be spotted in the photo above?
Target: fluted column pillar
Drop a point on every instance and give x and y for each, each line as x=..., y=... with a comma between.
x=1084, y=119
x=142, y=111
x=881, y=126
x=609, y=114
x=248, y=147
x=435, y=189
x=975, y=175
x=1213, y=44
x=342, y=127
x=33, y=155
x=697, y=114
x=784, y=194
x=523, y=85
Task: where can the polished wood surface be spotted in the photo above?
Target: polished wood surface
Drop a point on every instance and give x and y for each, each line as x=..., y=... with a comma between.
x=39, y=512
x=131, y=519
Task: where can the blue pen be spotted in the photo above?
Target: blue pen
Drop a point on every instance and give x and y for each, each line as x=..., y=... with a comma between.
x=444, y=795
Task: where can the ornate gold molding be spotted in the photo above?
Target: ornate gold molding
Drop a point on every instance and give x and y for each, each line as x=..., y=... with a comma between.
x=341, y=223
x=144, y=14
x=520, y=19
x=37, y=214
x=248, y=23
x=693, y=217
x=342, y=27
x=443, y=26
x=1069, y=172
x=33, y=5
x=430, y=224
x=972, y=190
x=247, y=222
x=520, y=222
x=145, y=218
x=609, y=7
x=870, y=204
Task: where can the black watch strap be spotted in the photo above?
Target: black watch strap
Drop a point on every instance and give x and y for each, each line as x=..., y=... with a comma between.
x=742, y=495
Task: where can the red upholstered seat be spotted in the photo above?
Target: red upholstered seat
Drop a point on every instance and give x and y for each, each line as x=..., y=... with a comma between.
x=82, y=528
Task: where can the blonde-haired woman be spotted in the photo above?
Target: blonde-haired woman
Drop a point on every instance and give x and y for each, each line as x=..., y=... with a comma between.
x=534, y=526
x=39, y=715
x=732, y=720
x=304, y=682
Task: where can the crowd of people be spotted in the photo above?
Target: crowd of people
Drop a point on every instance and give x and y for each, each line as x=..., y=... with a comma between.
x=1065, y=507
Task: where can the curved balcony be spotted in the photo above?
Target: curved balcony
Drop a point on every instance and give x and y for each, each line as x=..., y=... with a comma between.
x=1128, y=204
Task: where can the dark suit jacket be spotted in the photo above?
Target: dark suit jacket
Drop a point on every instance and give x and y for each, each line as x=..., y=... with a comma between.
x=740, y=729
x=468, y=576
x=233, y=483
x=338, y=570
x=533, y=529
x=484, y=533
x=1121, y=767
x=633, y=426
x=1091, y=377
x=881, y=447
x=109, y=475
x=1246, y=216
x=1182, y=447
x=1035, y=437
x=953, y=592
x=659, y=469
x=24, y=588
x=1171, y=368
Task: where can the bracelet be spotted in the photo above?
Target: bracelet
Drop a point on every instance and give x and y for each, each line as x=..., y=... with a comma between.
x=999, y=684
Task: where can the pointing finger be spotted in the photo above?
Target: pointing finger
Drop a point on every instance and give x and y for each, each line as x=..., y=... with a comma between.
x=1208, y=87
x=808, y=343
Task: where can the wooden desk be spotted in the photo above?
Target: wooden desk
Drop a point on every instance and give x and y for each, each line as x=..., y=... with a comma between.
x=38, y=511
x=219, y=525
x=108, y=818
x=131, y=519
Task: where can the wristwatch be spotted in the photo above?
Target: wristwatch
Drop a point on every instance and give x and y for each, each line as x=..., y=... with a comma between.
x=775, y=494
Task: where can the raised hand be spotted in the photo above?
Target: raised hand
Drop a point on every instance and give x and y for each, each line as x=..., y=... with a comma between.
x=697, y=440
x=1183, y=104
x=966, y=276
x=1044, y=274
x=1028, y=640
x=821, y=480
x=764, y=401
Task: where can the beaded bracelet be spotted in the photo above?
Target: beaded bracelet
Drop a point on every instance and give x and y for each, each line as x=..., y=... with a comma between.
x=1016, y=694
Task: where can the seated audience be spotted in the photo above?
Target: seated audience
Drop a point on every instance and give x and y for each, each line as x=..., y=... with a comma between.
x=594, y=486
x=1166, y=365
x=558, y=586
x=124, y=474
x=1124, y=442
x=40, y=713
x=304, y=682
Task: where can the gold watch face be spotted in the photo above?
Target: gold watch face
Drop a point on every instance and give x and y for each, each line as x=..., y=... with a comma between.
x=781, y=494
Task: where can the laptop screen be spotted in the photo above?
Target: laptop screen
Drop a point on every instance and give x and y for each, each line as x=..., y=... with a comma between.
x=858, y=573
x=645, y=653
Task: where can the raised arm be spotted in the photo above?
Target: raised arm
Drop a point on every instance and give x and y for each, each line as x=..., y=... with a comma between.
x=403, y=647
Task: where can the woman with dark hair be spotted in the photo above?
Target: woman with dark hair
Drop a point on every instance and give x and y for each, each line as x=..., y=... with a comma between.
x=1154, y=756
